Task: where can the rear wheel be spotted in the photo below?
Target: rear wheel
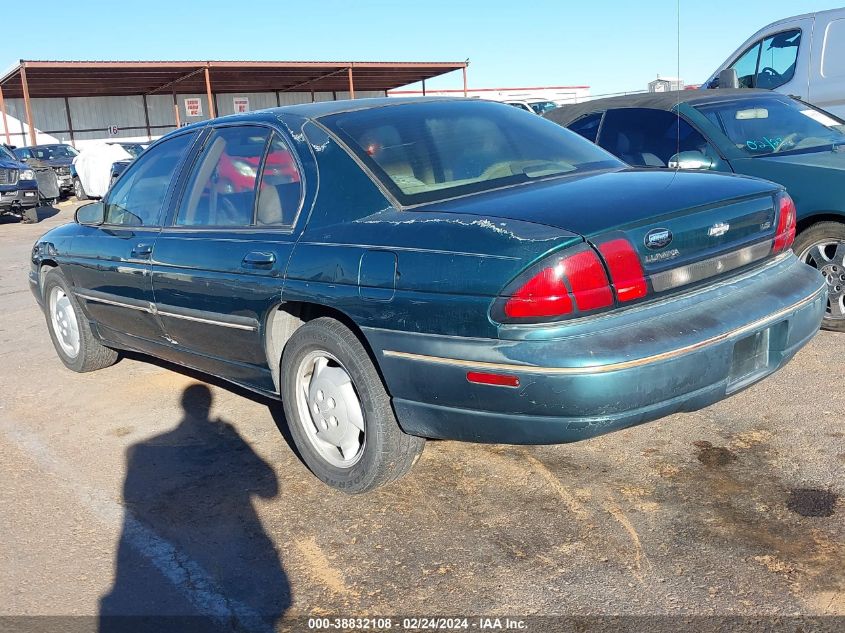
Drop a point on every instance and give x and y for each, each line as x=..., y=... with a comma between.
x=822, y=246
x=71, y=333
x=339, y=412
x=78, y=189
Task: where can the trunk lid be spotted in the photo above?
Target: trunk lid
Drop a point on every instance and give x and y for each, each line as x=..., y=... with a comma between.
x=672, y=219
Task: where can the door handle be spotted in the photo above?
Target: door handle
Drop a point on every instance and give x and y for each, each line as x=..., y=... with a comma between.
x=142, y=250
x=258, y=259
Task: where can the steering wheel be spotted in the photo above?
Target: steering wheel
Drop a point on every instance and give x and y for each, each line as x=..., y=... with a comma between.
x=772, y=76
x=790, y=141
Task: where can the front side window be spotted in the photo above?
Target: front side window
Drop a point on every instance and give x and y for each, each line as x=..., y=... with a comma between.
x=778, y=57
x=746, y=66
x=431, y=151
x=138, y=196
x=649, y=138
x=773, y=124
x=587, y=126
x=221, y=190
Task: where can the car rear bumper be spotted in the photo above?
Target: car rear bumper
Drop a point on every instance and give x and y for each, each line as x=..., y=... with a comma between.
x=598, y=375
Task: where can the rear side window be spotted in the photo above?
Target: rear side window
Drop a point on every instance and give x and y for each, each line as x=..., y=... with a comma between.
x=649, y=138
x=280, y=189
x=137, y=198
x=587, y=126
x=221, y=189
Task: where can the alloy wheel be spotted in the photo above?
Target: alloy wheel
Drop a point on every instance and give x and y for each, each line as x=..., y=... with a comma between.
x=828, y=257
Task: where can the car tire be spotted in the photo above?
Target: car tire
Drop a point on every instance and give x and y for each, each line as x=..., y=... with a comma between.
x=30, y=216
x=822, y=246
x=317, y=360
x=78, y=189
x=82, y=352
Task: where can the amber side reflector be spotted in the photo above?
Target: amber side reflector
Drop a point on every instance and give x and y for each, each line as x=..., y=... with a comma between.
x=498, y=380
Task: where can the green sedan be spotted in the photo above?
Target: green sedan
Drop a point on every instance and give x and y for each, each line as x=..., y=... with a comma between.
x=751, y=132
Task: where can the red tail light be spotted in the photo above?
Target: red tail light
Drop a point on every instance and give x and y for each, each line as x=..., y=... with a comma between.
x=543, y=295
x=589, y=281
x=559, y=287
x=625, y=269
x=785, y=233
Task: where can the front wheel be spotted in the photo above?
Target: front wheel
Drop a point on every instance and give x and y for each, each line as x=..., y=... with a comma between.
x=822, y=246
x=71, y=333
x=339, y=412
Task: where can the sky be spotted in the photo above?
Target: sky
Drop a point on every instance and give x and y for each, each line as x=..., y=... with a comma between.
x=610, y=45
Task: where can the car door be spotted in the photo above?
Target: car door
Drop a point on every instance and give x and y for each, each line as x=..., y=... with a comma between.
x=110, y=267
x=219, y=264
x=827, y=75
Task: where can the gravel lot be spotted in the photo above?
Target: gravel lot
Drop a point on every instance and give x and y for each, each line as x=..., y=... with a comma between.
x=122, y=491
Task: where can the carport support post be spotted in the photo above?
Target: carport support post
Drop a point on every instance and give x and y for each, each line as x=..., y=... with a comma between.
x=176, y=111
x=69, y=122
x=147, y=118
x=211, y=109
x=5, y=120
x=27, y=106
x=465, y=80
x=351, y=83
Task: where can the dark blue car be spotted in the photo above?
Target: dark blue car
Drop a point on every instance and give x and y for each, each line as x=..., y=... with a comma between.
x=18, y=187
x=395, y=270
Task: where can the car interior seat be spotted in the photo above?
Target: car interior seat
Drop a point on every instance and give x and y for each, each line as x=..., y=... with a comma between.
x=269, y=210
x=629, y=147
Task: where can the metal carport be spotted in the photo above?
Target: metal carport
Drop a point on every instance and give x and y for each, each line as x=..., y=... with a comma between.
x=61, y=81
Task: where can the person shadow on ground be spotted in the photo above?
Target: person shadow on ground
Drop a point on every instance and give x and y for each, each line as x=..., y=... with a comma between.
x=193, y=555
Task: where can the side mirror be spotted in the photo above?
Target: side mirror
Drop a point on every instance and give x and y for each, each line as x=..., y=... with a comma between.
x=690, y=160
x=91, y=214
x=728, y=78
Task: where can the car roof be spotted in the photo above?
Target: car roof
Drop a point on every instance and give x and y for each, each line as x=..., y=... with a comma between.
x=320, y=109
x=566, y=114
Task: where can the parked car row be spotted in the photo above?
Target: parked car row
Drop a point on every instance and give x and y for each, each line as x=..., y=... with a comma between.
x=394, y=270
x=57, y=157
x=749, y=132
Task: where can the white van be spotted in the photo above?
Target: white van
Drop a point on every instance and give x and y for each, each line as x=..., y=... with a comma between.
x=802, y=56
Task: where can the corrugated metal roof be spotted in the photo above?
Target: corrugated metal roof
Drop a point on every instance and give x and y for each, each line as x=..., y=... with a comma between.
x=68, y=78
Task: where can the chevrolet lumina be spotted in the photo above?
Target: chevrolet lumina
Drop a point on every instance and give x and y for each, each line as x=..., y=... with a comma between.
x=394, y=270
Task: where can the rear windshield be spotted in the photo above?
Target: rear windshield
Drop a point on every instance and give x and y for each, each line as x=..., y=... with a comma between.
x=771, y=125
x=430, y=151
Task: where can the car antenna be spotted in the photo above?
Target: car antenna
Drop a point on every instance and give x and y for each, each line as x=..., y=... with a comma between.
x=678, y=106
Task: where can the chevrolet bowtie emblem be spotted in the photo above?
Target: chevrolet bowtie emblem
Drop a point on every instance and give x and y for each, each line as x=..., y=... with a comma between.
x=718, y=229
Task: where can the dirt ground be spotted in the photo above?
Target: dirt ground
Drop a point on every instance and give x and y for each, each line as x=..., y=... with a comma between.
x=126, y=491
